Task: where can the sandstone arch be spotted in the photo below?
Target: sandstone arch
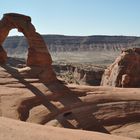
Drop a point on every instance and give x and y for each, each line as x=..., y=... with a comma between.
x=38, y=55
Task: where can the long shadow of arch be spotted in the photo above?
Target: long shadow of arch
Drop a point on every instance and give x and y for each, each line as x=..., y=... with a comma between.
x=60, y=92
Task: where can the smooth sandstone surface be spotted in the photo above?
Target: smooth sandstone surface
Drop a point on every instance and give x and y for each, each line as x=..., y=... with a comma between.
x=15, y=130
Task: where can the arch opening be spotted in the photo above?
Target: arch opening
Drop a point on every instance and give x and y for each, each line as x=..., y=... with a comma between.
x=16, y=47
x=19, y=45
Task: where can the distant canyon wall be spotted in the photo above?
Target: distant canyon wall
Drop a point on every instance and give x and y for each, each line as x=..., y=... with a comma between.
x=17, y=45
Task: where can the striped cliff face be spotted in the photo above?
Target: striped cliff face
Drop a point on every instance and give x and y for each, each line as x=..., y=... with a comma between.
x=15, y=45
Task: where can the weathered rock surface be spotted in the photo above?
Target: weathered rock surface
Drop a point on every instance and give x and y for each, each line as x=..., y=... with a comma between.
x=3, y=56
x=102, y=109
x=125, y=71
x=38, y=55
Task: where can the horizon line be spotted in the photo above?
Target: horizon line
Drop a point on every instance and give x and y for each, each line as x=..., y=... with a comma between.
x=82, y=35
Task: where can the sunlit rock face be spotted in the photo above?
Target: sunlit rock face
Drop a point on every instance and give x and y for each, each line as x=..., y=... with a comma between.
x=38, y=55
x=125, y=71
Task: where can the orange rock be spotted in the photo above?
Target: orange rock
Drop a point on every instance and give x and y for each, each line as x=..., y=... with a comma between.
x=125, y=71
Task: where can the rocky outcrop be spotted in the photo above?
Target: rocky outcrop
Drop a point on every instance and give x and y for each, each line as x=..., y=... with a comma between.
x=80, y=74
x=88, y=76
x=125, y=71
x=38, y=55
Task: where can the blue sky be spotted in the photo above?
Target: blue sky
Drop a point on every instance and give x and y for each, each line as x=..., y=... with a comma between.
x=79, y=17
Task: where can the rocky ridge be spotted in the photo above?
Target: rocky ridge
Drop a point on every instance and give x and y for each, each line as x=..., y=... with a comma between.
x=60, y=43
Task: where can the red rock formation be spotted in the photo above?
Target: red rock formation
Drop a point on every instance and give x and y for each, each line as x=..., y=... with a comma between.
x=125, y=71
x=38, y=55
x=3, y=56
